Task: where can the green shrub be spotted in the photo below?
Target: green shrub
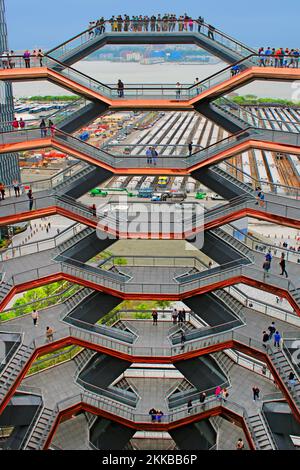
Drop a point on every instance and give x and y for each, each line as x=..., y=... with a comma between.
x=143, y=315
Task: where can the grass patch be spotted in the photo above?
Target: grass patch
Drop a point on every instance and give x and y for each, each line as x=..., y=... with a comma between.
x=38, y=295
x=49, y=98
x=52, y=359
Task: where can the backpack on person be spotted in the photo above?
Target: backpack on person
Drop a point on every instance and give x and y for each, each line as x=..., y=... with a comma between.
x=266, y=265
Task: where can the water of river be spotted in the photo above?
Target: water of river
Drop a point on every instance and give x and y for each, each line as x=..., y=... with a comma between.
x=130, y=72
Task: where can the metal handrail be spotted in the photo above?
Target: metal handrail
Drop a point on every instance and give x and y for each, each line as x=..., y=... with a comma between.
x=143, y=417
x=32, y=425
x=49, y=116
x=248, y=270
x=48, y=60
x=256, y=181
x=112, y=332
x=207, y=331
x=257, y=301
x=39, y=244
x=54, y=181
x=257, y=241
x=34, y=302
x=267, y=429
x=88, y=30
x=191, y=395
x=117, y=393
x=250, y=132
x=272, y=397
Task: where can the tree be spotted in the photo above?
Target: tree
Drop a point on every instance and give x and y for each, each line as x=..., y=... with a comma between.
x=162, y=304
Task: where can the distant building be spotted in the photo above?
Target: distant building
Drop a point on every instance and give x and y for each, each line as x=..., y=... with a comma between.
x=9, y=162
x=132, y=56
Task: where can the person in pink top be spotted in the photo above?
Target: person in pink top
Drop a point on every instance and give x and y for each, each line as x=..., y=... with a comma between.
x=218, y=392
x=191, y=24
x=185, y=22
x=52, y=128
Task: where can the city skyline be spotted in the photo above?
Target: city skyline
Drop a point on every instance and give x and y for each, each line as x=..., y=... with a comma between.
x=29, y=22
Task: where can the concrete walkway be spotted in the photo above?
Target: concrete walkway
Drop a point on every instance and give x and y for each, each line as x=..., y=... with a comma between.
x=58, y=383
x=149, y=335
x=19, y=268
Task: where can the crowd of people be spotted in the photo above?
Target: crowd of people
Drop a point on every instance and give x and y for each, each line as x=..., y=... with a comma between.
x=44, y=128
x=267, y=264
x=272, y=57
x=16, y=187
x=271, y=335
x=8, y=60
x=49, y=330
x=37, y=56
x=284, y=245
x=156, y=415
x=167, y=22
x=178, y=316
x=34, y=58
x=151, y=155
x=291, y=247
x=221, y=394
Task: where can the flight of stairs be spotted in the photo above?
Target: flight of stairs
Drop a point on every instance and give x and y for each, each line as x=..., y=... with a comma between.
x=181, y=393
x=127, y=327
x=5, y=288
x=185, y=385
x=234, y=242
x=75, y=239
x=261, y=433
x=187, y=327
x=75, y=299
x=74, y=206
x=41, y=430
x=73, y=180
x=245, y=187
x=181, y=386
x=225, y=362
x=234, y=304
x=295, y=293
x=284, y=368
x=83, y=357
x=122, y=384
x=14, y=367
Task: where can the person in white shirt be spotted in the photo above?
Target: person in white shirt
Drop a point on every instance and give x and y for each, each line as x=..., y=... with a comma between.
x=4, y=58
x=197, y=87
x=35, y=317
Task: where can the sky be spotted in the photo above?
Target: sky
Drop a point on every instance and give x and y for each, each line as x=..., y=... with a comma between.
x=34, y=23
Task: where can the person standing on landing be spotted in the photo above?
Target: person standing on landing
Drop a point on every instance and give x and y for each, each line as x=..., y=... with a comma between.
x=30, y=197
x=35, y=317
x=120, y=87
x=255, y=391
x=154, y=317
x=282, y=265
